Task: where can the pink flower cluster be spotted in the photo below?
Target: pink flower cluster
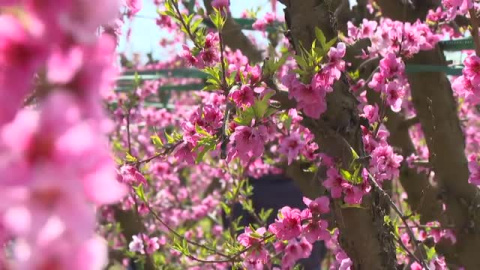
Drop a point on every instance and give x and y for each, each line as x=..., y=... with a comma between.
x=467, y=86
x=144, y=244
x=391, y=81
x=207, y=56
x=311, y=98
x=295, y=232
x=56, y=165
x=474, y=168
x=342, y=261
x=337, y=185
x=301, y=229
x=384, y=162
x=395, y=37
x=248, y=143
x=257, y=256
x=262, y=23
x=457, y=7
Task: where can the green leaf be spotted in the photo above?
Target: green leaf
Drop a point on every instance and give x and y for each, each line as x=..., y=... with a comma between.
x=201, y=155
x=431, y=252
x=195, y=25
x=156, y=141
x=355, y=178
x=130, y=158
x=260, y=106
x=354, y=154
x=320, y=37
x=245, y=117
x=185, y=247
x=330, y=44
x=346, y=175
x=140, y=193
x=200, y=130
x=270, y=111
x=226, y=208
x=137, y=80
x=264, y=215
x=170, y=139
x=217, y=19
x=288, y=122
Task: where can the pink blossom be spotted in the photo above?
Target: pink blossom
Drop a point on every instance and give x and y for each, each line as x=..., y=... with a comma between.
x=220, y=4
x=344, y=261
x=385, y=163
x=257, y=255
x=287, y=225
x=371, y=113
x=394, y=95
x=243, y=96
x=131, y=175
x=247, y=142
x=62, y=252
x=136, y=245
x=435, y=15
x=187, y=55
x=316, y=230
x=474, y=168
x=334, y=183
x=336, y=64
x=456, y=6
x=134, y=6
x=367, y=29
x=318, y=206
x=290, y=146
x=261, y=24
x=152, y=244
x=21, y=53
x=391, y=66
x=81, y=18
x=353, y=193
x=472, y=67
x=296, y=250
x=184, y=153
x=416, y=266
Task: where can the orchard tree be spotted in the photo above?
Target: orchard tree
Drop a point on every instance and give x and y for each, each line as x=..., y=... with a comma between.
x=106, y=163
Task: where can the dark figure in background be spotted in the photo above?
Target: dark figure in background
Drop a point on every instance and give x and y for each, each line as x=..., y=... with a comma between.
x=274, y=192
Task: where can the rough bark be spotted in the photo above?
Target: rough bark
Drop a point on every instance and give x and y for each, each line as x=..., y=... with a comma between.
x=423, y=197
x=437, y=110
x=363, y=234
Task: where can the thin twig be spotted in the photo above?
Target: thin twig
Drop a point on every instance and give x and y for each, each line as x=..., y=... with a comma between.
x=181, y=236
x=166, y=151
x=222, y=60
x=382, y=192
x=187, y=27
x=129, y=143
x=229, y=258
x=399, y=241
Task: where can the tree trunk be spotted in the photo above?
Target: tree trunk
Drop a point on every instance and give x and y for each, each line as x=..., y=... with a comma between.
x=437, y=111
x=363, y=234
